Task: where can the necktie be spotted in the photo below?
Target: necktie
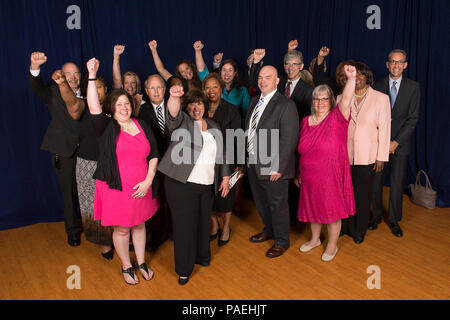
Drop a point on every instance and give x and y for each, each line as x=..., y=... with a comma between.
x=253, y=123
x=160, y=119
x=393, y=93
x=287, y=91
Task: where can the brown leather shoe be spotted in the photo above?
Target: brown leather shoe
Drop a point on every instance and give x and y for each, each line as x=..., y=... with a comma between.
x=276, y=251
x=260, y=237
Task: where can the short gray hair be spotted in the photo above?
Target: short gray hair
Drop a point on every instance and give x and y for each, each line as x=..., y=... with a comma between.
x=293, y=54
x=319, y=89
x=398, y=51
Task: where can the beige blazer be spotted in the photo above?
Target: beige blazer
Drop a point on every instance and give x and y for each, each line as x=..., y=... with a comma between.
x=369, y=131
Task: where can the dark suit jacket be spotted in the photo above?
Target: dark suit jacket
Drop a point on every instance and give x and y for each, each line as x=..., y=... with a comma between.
x=280, y=113
x=302, y=94
x=147, y=113
x=405, y=112
x=62, y=133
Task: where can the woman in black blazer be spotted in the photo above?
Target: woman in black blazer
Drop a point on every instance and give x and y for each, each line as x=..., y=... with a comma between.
x=226, y=116
x=194, y=170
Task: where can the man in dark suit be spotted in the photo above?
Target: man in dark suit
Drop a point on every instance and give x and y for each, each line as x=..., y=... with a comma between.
x=294, y=88
x=61, y=138
x=272, y=127
x=405, y=99
x=154, y=112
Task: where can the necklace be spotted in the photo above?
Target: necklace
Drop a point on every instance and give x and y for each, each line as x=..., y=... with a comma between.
x=358, y=107
x=363, y=95
x=128, y=126
x=318, y=121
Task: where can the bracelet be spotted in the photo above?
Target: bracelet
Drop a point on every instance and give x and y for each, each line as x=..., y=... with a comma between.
x=92, y=79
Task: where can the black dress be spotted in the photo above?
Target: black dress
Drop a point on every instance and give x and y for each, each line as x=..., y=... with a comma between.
x=227, y=117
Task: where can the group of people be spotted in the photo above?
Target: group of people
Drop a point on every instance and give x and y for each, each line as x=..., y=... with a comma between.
x=329, y=141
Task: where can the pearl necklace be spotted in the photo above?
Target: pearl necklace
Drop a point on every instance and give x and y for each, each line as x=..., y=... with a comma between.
x=363, y=95
x=318, y=121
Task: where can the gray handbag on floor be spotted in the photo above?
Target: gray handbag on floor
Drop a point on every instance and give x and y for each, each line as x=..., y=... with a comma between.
x=423, y=195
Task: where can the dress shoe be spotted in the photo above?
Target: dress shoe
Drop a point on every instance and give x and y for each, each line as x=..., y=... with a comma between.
x=373, y=225
x=396, y=230
x=276, y=251
x=74, y=240
x=358, y=240
x=203, y=263
x=307, y=248
x=182, y=281
x=260, y=237
x=224, y=242
x=327, y=257
x=213, y=237
x=108, y=255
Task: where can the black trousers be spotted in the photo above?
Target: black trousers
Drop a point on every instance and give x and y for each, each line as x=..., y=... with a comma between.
x=397, y=165
x=159, y=226
x=362, y=178
x=271, y=200
x=65, y=171
x=190, y=205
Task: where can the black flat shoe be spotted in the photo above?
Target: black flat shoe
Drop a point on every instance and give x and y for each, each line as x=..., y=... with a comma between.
x=373, y=225
x=144, y=267
x=130, y=272
x=108, y=255
x=358, y=240
x=182, y=282
x=74, y=240
x=224, y=242
x=396, y=230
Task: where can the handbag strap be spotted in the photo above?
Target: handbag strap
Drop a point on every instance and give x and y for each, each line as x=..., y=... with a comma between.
x=427, y=184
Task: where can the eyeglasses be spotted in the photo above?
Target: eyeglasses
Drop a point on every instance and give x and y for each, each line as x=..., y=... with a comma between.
x=320, y=99
x=394, y=62
x=293, y=64
x=68, y=74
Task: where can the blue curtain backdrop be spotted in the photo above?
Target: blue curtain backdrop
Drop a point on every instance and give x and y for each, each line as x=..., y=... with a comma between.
x=29, y=191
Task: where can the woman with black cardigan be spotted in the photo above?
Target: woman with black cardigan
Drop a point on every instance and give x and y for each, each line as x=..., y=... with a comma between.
x=194, y=173
x=126, y=167
x=226, y=116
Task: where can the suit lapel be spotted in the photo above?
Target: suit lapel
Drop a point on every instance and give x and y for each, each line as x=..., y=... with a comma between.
x=401, y=93
x=251, y=107
x=268, y=110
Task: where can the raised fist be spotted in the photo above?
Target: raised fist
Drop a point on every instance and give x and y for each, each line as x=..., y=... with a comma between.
x=324, y=51
x=198, y=45
x=92, y=67
x=218, y=58
x=152, y=45
x=59, y=77
x=258, y=55
x=138, y=99
x=292, y=45
x=176, y=91
x=118, y=49
x=350, y=71
x=37, y=59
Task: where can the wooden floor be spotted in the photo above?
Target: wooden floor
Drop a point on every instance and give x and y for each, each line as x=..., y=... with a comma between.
x=34, y=260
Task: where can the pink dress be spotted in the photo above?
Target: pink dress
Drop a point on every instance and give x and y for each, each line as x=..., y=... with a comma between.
x=119, y=208
x=326, y=190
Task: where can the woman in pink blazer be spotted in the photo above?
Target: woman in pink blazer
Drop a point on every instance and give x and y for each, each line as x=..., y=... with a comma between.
x=368, y=147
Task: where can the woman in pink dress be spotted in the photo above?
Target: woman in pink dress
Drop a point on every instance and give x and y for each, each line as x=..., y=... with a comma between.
x=324, y=177
x=126, y=167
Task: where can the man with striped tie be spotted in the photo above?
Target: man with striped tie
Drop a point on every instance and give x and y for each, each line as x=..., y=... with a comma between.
x=154, y=113
x=404, y=95
x=272, y=135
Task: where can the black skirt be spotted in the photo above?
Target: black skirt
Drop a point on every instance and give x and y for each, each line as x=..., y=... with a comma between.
x=222, y=205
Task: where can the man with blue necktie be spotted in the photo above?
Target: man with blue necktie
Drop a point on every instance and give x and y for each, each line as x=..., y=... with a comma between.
x=405, y=100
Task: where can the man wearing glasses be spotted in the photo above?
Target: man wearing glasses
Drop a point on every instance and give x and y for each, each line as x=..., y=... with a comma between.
x=405, y=100
x=61, y=138
x=293, y=86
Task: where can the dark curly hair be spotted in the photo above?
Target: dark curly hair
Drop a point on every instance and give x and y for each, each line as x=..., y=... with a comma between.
x=195, y=96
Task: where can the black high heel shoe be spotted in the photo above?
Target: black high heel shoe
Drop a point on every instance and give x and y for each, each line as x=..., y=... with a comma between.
x=108, y=255
x=182, y=282
x=213, y=237
x=224, y=242
x=144, y=267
